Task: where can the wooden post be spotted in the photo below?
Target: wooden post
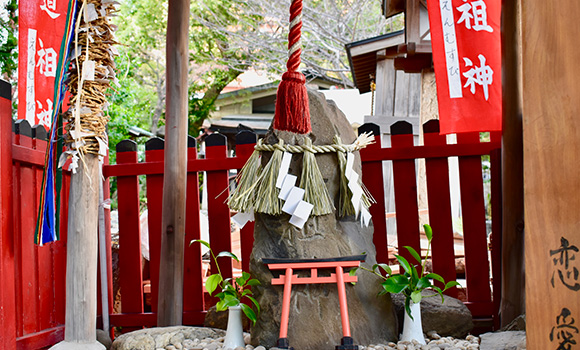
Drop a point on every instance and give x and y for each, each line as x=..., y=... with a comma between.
x=512, y=303
x=551, y=139
x=7, y=291
x=170, y=306
x=81, y=267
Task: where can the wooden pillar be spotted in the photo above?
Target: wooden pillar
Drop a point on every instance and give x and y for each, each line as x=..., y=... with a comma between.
x=551, y=109
x=7, y=296
x=513, y=302
x=170, y=305
x=81, y=267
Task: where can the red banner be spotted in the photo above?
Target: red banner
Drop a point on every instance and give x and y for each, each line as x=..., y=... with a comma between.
x=465, y=36
x=41, y=27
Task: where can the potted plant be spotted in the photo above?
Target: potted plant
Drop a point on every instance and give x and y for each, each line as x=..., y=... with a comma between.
x=233, y=290
x=411, y=283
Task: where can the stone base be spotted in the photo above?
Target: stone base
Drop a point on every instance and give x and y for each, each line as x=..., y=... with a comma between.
x=66, y=345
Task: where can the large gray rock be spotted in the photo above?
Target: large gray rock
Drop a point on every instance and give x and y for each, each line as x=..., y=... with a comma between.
x=511, y=340
x=161, y=337
x=315, y=322
x=448, y=319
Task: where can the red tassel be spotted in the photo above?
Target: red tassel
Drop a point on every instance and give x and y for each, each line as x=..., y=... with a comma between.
x=292, y=111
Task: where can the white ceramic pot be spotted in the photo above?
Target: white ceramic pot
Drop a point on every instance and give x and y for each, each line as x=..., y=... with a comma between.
x=235, y=332
x=413, y=328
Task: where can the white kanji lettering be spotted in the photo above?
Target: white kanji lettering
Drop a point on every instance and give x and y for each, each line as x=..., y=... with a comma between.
x=482, y=75
x=476, y=11
x=49, y=6
x=44, y=117
x=47, y=59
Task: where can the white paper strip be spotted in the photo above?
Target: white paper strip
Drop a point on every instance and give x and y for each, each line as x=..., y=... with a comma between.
x=30, y=88
x=90, y=13
x=284, y=167
x=241, y=219
x=450, y=46
x=88, y=70
x=365, y=217
x=287, y=185
x=293, y=199
x=301, y=214
x=349, y=165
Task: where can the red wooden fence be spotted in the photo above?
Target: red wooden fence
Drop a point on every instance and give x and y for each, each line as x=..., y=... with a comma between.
x=32, y=278
x=483, y=304
x=217, y=166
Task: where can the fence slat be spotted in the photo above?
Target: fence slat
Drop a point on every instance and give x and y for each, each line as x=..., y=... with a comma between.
x=154, y=153
x=405, y=185
x=192, y=279
x=7, y=289
x=217, y=209
x=496, y=237
x=44, y=264
x=437, y=171
x=27, y=257
x=131, y=280
x=474, y=233
x=245, y=142
x=372, y=178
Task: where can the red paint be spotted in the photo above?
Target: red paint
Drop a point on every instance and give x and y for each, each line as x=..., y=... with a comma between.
x=129, y=238
x=405, y=184
x=217, y=210
x=474, y=234
x=154, y=210
x=7, y=266
x=440, y=219
x=372, y=178
x=192, y=279
x=247, y=232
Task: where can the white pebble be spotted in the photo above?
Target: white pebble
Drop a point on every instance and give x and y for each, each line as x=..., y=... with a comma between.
x=391, y=344
x=260, y=348
x=401, y=347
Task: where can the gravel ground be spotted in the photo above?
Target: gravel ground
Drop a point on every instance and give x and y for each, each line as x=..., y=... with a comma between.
x=434, y=342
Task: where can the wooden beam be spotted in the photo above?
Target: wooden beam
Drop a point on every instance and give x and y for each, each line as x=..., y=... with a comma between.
x=551, y=140
x=512, y=303
x=170, y=305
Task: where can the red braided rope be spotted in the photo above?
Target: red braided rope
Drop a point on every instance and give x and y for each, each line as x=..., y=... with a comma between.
x=294, y=36
x=292, y=110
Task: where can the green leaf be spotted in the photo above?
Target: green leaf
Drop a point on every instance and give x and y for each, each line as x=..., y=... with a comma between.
x=228, y=255
x=408, y=307
x=396, y=284
x=404, y=263
x=212, y=282
x=423, y=283
x=255, y=302
x=220, y=306
x=200, y=241
x=230, y=300
x=436, y=277
x=250, y=314
x=383, y=266
x=451, y=284
x=428, y=232
x=253, y=282
x=247, y=292
x=414, y=253
x=416, y=296
x=353, y=271
x=440, y=292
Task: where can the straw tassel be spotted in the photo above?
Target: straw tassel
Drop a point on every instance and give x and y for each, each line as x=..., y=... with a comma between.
x=345, y=207
x=315, y=191
x=242, y=197
x=292, y=110
x=266, y=194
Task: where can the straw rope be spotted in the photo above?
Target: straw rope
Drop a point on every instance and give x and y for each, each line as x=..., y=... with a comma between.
x=362, y=141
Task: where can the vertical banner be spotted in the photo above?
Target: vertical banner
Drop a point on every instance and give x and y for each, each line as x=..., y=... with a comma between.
x=41, y=29
x=465, y=36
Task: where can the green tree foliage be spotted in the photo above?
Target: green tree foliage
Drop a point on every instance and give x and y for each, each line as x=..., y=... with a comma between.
x=8, y=39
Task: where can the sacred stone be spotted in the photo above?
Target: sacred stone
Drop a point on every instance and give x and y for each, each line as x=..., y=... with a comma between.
x=315, y=321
